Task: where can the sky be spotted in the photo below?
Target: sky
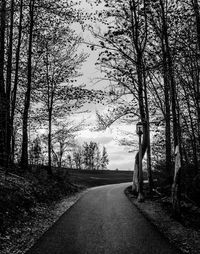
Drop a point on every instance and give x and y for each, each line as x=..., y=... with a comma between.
x=119, y=156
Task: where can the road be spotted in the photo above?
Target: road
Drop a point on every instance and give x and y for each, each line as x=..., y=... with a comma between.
x=103, y=221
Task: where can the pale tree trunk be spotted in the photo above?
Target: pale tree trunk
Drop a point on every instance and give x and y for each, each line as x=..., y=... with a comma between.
x=137, y=186
x=144, y=143
x=149, y=169
x=176, y=184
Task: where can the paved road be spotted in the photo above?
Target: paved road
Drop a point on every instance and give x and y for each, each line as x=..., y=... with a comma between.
x=103, y=221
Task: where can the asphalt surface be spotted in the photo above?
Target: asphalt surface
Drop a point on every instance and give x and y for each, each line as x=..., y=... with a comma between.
x=103, y=221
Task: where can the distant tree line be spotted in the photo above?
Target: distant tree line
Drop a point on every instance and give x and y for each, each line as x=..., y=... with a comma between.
x=83, y=157
x=89, y=156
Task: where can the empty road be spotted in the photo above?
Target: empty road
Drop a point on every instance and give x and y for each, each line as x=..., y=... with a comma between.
x=103, y=221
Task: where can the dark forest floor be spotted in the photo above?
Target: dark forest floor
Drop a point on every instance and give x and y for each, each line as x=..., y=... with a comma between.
x=29, y=204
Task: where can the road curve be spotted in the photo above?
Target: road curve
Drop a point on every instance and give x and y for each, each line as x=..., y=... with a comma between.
x=103, y=221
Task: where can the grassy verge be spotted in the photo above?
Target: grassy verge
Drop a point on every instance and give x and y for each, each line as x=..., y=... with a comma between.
x=28, y=206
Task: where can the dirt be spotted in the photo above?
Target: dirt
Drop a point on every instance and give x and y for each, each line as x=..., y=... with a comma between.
x=185, y=234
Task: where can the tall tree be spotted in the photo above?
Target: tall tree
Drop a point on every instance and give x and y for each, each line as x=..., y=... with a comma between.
x=15, y=85
x=124, y=52
x=24, y=157
x=2, y=84
x=8, y=81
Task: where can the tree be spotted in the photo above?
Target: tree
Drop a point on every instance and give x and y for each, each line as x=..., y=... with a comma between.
x=63, y=141
x=90, y=157
x=56, y=95
x=2, y=84
x=89, y=154
x=104, y=159
x=35, y=151
x=24, y=158
x=78, y=157
x=54, y=65
x=16, y=78
x=124, y=52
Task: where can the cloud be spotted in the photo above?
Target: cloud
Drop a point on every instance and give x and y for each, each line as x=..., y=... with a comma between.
x=99, y=137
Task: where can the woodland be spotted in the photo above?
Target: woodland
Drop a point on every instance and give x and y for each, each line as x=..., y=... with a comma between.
x=149, y=51
x=151, y=56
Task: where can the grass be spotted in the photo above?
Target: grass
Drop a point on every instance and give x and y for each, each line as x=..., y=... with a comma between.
x=94, y=178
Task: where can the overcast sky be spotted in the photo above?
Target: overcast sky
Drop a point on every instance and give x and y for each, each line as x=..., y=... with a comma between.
x=119, y=156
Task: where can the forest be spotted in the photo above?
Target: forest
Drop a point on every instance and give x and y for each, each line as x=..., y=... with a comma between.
x=149, y=51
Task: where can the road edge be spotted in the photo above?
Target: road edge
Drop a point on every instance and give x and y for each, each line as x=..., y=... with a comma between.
x=31, y=238
x=174, y=231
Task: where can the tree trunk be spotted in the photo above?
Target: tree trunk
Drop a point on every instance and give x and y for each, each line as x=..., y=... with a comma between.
x=2, y=85
x=8, y=84
x=166, y=76
x=14, y=91
x=49, y=143
x=168, y=157
x=197, y=16
x=191, y=129
x=139, y=49
x=24, y=157
x=176, y=128
x=137, y=176
x=150, y=179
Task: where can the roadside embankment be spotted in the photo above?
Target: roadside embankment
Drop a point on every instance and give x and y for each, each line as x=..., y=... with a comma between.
x=29, y=206
x=182, y=234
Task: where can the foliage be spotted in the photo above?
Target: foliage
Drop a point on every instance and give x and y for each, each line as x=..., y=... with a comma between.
x=88, y=156
x=35, y=151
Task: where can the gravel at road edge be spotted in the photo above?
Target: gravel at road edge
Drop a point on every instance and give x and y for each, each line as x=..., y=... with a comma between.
x=185, y=238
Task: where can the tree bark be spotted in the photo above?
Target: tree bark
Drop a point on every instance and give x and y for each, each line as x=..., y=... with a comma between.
x=139, y=49
x=197, y=16
x=149, y=170
x=14, y=91
x=24, y=157
x=8, y=83
x=137, y=176
x=168, y=156
x=176, y=128
x=2, y=84
x=49, y=142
